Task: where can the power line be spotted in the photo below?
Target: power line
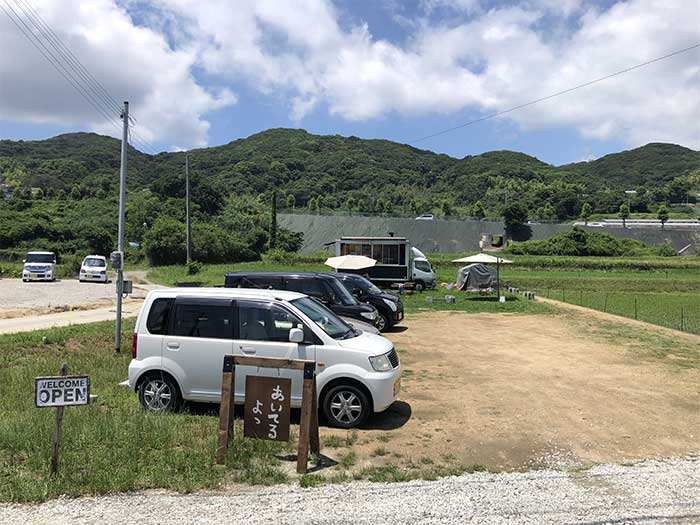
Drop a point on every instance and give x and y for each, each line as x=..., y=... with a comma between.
x=558, y=93
x=68, y=65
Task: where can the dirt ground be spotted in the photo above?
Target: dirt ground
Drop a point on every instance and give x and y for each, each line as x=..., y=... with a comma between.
x=511, y=392
x=19, y=299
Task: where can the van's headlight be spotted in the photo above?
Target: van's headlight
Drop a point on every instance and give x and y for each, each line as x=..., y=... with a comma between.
x=369, y=315
x=390, y=304
x=381, y=363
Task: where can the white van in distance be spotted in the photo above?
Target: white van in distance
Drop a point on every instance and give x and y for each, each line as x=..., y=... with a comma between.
x=182, y=335
x=39, y=266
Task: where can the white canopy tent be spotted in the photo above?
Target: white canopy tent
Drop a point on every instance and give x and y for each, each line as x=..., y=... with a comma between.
x=485, y=258
x=350, y=262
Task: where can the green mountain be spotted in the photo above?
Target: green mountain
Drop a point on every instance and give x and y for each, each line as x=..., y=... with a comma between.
x=78, y=176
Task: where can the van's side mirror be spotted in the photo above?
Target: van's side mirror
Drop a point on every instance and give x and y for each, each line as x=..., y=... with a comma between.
x=296, y=335
x=24, y=260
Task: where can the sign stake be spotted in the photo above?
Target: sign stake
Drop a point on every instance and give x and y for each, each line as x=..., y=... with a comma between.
x=57, y=431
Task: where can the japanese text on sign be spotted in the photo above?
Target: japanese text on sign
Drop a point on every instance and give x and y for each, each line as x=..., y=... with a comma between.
x=267, y=408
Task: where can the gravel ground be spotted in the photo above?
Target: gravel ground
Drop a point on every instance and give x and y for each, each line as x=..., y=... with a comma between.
x=14, y=294
x=649, y=492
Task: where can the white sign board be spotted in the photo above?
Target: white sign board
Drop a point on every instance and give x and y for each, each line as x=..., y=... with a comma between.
x=61, y=391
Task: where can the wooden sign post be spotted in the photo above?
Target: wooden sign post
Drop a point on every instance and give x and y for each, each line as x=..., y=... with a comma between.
x=60, y=391
x=308, y=425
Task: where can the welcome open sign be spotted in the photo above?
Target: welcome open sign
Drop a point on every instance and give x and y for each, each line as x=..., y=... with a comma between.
x=61, y=391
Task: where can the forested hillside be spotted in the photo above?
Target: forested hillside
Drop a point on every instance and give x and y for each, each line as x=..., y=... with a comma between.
x=65, y=188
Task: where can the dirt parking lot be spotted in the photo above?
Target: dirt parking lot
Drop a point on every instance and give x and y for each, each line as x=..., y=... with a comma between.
x=18, y=298
x=511, y=392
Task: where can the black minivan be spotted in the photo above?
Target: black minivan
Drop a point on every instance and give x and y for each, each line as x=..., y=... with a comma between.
x=322, y=286
x=388, y=305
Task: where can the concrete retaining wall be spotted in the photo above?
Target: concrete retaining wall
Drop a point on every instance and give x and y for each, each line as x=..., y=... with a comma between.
x=451, y=236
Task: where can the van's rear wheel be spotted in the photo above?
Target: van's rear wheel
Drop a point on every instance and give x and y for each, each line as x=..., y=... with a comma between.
x=346, y=406
x=159, y=393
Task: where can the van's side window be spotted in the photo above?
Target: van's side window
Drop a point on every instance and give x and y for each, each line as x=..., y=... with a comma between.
x=157, y=321
x=311, y=287
x=203, y=320
x=261, y=322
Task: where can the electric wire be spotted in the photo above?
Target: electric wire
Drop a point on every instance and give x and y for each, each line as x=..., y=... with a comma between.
x=553, y=95
x=69, y=68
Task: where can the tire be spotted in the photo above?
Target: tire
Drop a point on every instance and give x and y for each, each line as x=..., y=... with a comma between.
x=419, y=286
x=356, y=409
x=383, y=323
x=159, y=393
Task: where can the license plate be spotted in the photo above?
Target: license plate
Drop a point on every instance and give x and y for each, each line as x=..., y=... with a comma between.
x=33, y=275
x=397, y=387
x=88, y=275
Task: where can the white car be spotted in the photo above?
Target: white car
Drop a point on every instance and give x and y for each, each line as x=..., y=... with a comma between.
x=39, y=266
x=93, y=268
x=425, y=217
x=182, y=335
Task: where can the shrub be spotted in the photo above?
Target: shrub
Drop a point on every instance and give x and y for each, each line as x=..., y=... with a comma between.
x=579, y=242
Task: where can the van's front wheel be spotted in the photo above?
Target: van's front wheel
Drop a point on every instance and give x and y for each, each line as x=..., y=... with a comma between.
x=159, y=393
x=346, y=406
x=419, y=286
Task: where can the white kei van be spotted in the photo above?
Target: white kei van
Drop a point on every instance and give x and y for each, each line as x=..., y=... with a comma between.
x=182, y=335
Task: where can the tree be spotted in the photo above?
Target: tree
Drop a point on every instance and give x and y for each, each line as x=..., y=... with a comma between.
x=624, y=214
x=273, y=221
x=586, y=212
x=477, y=210
x=514, y=215
x=548, y=213
x=164, y=242
x=75, y=193
x=662, y=214
x=291, y=201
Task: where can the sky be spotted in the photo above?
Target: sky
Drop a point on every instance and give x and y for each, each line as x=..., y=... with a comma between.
x=203, y=73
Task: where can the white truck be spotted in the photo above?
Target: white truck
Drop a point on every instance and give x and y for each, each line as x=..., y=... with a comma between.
x=397, y=261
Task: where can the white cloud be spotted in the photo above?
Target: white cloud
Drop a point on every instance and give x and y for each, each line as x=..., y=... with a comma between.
x=134, y=63
x=307, y=54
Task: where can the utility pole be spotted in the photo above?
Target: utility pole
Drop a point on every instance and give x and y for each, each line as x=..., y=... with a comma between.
x=120, y=240
x=187, y=207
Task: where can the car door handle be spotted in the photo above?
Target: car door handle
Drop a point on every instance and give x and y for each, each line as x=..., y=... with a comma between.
x=173, y=346
x=248, y=349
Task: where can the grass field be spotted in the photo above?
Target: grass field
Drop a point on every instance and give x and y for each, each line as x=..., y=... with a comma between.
x=665, y=296
x=110, y=445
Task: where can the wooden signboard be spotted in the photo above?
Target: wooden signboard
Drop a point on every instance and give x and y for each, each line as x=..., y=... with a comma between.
x=267, y=408
x=59, y=392
x=308, y=424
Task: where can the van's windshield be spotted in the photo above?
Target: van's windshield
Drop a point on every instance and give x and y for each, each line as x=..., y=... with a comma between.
x=325, y=318
x=341, y=294
x=94, y=262
x=42, y=258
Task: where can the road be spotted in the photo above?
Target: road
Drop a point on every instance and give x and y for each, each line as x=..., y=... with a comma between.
x=651, y=492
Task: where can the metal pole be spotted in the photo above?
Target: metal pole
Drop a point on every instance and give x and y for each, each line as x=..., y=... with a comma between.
x=122, y=213
x=187, y=206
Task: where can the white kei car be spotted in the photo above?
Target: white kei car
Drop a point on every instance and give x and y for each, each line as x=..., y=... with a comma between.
x=93, y=269
x=182, y=335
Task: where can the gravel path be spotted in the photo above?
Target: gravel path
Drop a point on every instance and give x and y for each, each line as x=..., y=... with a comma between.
x=649, y=492
x=65, y=292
